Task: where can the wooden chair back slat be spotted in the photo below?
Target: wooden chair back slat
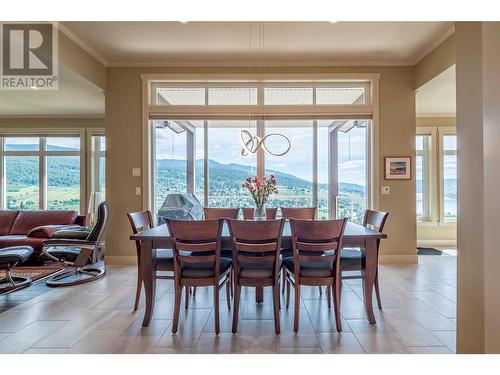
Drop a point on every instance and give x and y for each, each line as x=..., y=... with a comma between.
x=316, y=258
x=304, y=213
x=220, y=213
x=196, y=259
x=140, y=221
x=319, y=247
x=255, y=247
x=198, y=247
x=271, y=213
x=269, y=259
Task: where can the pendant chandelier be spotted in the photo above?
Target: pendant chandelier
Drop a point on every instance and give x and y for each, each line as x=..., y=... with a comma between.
x=250, y=144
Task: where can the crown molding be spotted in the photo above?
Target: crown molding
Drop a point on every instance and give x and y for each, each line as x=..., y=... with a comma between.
x=434, y=45
x=78, y=41
x=268, y=64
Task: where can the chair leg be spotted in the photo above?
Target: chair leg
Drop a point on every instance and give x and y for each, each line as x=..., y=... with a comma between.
x=216, y=309
x=320, y=290
x=276, y=298
x=139, y=283
x=336, y=305
x=377, y=292
x=194, y=291
x=231, y=282
x=287, y=294
x=296, y=308
x=228, y=293
x=177, y=307
x=283, y=277
x=186, y=301
x=236, y=310
x=329, y=296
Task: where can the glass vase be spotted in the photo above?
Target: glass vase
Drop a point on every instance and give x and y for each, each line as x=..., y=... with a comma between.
x=260, y=212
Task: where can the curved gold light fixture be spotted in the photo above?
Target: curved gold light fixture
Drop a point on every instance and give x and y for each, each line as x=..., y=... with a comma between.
x=250, y=144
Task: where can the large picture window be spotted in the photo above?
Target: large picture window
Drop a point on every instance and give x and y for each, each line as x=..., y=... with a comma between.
x=326, y=166
x=48, y=171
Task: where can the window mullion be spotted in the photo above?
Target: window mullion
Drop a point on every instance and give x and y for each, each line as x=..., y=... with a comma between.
x=42, y=179
x=3, y=191
x=315, y=164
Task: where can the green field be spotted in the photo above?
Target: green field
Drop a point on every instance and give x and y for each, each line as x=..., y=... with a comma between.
x=58, y=197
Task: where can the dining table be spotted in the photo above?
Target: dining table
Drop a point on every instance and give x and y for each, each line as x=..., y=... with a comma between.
x=355, y=235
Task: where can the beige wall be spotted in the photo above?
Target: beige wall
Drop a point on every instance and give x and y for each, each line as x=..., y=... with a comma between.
x=478, y=118
x=429, y=234
x=436, y=62
x=124, y=142
x=81, y=62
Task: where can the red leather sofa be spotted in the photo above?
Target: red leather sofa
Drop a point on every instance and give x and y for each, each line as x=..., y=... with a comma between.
x=31, y=228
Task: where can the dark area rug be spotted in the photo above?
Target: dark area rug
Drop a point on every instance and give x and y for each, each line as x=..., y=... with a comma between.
x=428, y=251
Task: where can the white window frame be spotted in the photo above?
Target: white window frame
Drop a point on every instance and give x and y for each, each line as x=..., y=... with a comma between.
x=429, y=176
x=442, y=153
x=259, y=112
x=93, y=172
x=42, y=154
x=436, y=175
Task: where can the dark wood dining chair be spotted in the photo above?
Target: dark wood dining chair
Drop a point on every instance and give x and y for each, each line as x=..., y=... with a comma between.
x=220, y=213
x=303, y=213
x=350, y=259
x=206, y=268
x=249, y=212
x=315, y=261
x=164, y=260
x=256, y=260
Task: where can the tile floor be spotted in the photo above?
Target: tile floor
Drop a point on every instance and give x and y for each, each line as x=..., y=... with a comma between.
x=418, y=317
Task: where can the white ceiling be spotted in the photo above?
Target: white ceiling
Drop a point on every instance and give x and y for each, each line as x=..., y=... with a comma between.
x=75, y=96
x=228, y=43
x=438, y=96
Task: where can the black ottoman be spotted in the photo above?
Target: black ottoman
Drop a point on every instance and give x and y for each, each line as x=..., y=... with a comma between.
x=9, y=258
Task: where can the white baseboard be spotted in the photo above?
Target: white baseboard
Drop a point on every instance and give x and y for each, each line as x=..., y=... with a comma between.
x=398, y=259
x=115, y=260
x=437, y=243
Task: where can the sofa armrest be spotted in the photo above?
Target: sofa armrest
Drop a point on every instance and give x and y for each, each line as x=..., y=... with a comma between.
x=47, y=231
x=82, y=220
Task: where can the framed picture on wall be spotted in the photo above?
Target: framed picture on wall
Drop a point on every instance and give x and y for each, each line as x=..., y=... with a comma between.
x=397, y=168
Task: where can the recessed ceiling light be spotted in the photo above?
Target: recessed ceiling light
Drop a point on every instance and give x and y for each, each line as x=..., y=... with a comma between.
x=183, y=21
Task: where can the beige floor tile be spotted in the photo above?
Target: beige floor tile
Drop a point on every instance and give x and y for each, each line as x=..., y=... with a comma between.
x=298, y=341
x=23, y=339
x=107, y=344
x=448, y=338
x=300, y=351
x=45, y=351
x=340, y=343
x=257, y=344
x=429, y=350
